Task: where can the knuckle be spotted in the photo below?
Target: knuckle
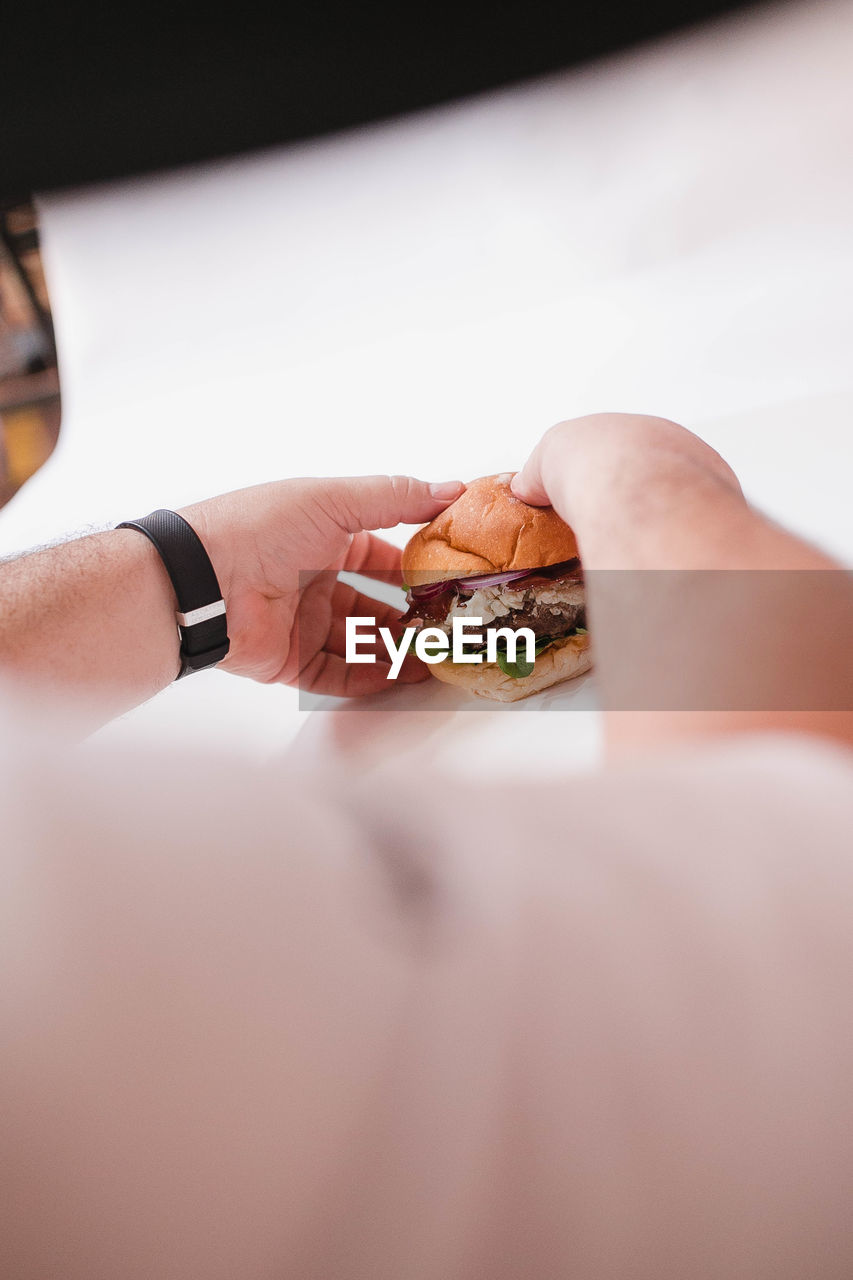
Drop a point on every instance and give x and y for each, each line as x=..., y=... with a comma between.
x=401, y=488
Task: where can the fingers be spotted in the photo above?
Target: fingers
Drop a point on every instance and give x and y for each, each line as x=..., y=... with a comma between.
x=320, y=666
x=328, y=671
x=527, y=483
x=596, y=448
x=537, y=481
x=381, y=502
x=373, y=557
x=329, y=674
x=349, y=603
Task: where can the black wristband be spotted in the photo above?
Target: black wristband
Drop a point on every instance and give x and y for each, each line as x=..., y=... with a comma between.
x=201, y=609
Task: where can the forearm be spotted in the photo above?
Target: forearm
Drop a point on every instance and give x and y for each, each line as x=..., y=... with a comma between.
x=745, y=629
x=706, y=618
x=93, y=621
x=90, y=622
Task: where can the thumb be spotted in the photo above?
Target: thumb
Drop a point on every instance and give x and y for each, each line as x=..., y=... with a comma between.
x=527, y=484
x=541, y=481
x=380, y=502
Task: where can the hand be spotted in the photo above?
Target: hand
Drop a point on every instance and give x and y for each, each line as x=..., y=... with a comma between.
x=277, y=549
x=681, y=653
x=625, y=482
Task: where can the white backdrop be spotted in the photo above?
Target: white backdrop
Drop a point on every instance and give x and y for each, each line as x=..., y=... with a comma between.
x=669, y=231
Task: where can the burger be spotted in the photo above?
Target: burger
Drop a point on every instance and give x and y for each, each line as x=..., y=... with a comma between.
x=491, y=556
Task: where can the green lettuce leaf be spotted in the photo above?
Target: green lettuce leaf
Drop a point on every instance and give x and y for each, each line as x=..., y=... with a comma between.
x=515, y=670
x=521, y=667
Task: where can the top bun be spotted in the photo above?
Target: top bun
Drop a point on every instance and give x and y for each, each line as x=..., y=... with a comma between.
x=487, y=530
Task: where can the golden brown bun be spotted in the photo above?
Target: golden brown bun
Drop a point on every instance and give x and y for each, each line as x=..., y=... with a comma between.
x=487, y=530
x=562, y=660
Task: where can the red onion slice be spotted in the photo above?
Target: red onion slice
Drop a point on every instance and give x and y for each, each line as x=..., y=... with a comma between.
x=431, y=590
x=492, y=579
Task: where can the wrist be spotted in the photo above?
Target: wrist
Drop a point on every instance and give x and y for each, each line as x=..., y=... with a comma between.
x=217, y=544
x=220, y=539
x=200, y=615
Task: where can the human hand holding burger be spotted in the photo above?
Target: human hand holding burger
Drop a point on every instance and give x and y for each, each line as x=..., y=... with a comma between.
x=278, y=549
x=639, y=493
x=637, y=490
x=613, y=491
x=92, y=621
x=697, y=633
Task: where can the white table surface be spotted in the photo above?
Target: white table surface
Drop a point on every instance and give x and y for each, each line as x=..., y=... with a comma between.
x=669, y=231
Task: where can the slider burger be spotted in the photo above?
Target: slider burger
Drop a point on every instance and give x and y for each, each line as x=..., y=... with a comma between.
x=491, y=556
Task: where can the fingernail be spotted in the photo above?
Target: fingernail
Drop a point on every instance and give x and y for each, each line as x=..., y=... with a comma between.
x=448, y=489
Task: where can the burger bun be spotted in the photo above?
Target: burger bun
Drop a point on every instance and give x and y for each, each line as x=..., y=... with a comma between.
x=487, y=530
x=562, y=660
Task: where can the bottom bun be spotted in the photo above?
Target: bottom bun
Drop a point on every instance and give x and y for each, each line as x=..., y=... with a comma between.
x=563, y=660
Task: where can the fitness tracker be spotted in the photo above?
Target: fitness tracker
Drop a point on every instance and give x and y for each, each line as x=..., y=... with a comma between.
x=201, y=609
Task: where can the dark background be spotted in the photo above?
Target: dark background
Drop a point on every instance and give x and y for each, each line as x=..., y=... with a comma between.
x=88, y=95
